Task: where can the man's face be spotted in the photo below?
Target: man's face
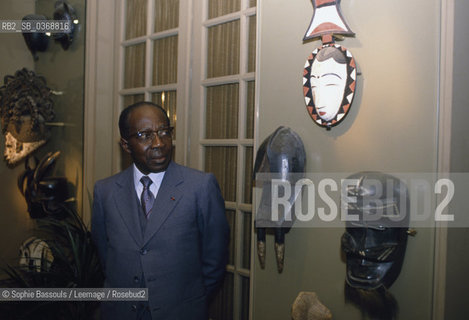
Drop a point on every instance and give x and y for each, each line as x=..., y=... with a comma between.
x=153, y=155
x=328, y=80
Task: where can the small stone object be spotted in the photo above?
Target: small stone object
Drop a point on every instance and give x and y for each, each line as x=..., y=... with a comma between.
x=308, y=307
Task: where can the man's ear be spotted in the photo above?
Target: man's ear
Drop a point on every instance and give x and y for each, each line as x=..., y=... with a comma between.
x=125, y=145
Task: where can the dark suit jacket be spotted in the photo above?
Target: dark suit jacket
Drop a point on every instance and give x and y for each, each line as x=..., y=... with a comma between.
x=181, y=254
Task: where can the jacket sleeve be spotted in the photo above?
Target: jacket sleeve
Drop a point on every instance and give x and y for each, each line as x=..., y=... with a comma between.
x=98, y=226
x=214, y=234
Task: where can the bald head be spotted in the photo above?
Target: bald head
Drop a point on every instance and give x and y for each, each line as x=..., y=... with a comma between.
x=125, y=115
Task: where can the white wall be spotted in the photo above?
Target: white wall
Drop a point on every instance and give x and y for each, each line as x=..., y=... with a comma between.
x=391, y=128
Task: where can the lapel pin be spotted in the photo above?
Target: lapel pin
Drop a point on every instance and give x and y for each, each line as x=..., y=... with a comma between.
x=172, y=198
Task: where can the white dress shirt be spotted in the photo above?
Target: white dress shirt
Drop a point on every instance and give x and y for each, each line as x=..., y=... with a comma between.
x=156, y=178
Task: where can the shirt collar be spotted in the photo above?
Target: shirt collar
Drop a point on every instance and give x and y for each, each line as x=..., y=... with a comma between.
x=155, y=177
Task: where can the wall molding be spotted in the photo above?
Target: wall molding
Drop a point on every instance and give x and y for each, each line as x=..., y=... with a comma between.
x=99, y=96
x=444, y=148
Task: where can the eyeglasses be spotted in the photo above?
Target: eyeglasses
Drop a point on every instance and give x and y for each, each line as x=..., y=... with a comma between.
x=148, y=136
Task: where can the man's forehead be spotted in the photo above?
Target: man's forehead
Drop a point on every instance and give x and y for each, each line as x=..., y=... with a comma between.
x=147, y=107
x=147, y=111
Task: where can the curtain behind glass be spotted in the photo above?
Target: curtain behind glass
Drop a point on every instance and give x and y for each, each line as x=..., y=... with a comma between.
x=221, y=161
x=248, y=175
x=223, y=49
x=250, y=110
x=246, y=239
x=222, y=307
x=252, y=44
x=221, y=116
x=136, y=18
x=165, y=58
x=244, y=298
x=131, y=99
x=231, y=217
x=166, y=14
x=134, y=71
x=217, y=8
x=167, y=99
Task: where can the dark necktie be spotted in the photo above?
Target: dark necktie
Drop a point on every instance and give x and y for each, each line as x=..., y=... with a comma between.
x=147, y=197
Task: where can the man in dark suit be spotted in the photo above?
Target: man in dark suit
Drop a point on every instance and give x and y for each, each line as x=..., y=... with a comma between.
x=168, y=234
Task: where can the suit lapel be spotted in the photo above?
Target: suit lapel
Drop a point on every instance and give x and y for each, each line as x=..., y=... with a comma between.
x=168, y=196
x=126, y=204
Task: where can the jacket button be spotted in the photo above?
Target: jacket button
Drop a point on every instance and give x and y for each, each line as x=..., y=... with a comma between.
x=143, y=252
x=136, y=279
x=134, y=307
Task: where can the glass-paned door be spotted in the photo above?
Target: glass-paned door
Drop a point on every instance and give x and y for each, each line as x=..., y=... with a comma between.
x=223, y=90
x=150, y=56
